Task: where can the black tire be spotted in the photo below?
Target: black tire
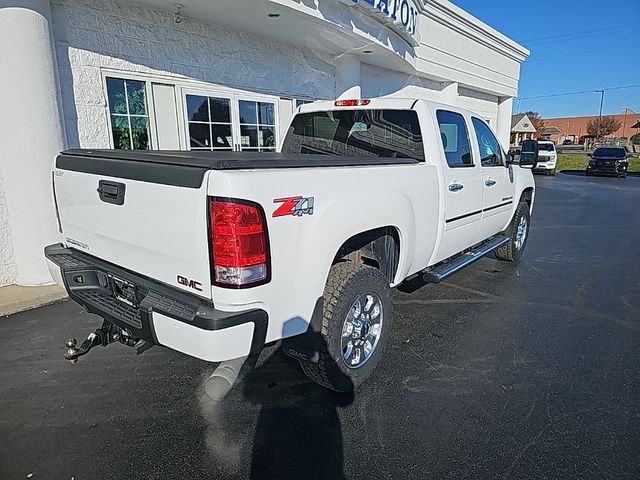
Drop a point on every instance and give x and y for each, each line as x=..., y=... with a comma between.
x=553, y=172
x=346, y=283
x=509, y=251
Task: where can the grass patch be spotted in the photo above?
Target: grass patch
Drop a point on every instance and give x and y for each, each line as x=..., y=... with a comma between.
x=578, y=161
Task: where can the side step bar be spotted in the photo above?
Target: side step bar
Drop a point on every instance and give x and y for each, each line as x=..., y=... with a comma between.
x=439, y=272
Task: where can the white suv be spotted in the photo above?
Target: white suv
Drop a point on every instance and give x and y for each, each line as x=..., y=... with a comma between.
x=547, y=157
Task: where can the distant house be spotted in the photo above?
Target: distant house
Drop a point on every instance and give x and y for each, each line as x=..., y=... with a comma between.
x=551, y=133
x=521, y=129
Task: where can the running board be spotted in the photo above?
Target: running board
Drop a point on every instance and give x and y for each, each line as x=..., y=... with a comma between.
x=439, y=272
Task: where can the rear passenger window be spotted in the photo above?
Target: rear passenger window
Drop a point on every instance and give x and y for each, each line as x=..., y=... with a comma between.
x=490, y=150
x=455, y=139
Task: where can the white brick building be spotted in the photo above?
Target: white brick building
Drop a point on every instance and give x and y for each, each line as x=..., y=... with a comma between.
x=110, y=73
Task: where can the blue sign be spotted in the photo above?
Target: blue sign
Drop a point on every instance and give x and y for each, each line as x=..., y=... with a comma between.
x=401, y=12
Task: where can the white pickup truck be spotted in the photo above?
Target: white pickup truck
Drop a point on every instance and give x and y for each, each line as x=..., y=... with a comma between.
x=215, y=254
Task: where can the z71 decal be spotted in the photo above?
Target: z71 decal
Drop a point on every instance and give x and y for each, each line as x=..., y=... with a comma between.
x=296, y=206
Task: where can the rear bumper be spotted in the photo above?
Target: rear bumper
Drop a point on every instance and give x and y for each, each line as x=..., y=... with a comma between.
x=163, y=315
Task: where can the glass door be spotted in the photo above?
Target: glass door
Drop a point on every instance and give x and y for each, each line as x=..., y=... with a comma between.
x=257, y=125
x=230, y=121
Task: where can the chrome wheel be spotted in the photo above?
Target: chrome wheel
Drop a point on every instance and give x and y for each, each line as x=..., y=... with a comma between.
x=521, y=233
x=361, y=330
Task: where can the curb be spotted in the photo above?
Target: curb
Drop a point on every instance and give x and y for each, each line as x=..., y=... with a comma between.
x=17, y=298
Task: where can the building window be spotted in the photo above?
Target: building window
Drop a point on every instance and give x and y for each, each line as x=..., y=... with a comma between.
x=302, y=102
x=128, y=114
x=257, y=126
x=209, y=120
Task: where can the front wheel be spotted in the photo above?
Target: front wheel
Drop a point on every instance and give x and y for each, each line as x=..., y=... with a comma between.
x=356, y=321
x=518, y=233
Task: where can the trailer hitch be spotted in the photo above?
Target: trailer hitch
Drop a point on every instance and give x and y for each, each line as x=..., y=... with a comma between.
x=107, y=334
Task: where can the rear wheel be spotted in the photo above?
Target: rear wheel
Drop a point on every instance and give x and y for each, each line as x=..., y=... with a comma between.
x=518, y=233
x=357, y=317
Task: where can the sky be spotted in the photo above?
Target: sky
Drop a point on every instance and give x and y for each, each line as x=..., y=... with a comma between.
x=575, y=45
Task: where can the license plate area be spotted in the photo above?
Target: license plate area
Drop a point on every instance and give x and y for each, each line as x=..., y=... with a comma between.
x=124, y=291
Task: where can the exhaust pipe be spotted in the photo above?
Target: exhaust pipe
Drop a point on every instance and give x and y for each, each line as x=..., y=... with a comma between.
x=221, y=381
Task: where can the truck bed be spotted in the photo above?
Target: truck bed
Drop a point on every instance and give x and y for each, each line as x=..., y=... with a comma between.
x=187, y=168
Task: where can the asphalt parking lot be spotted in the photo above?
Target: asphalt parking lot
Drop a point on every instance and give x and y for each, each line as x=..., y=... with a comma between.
x=505, y=371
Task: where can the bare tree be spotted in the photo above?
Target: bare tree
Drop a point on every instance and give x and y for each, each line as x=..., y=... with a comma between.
x=601, y=127
x=538, y=123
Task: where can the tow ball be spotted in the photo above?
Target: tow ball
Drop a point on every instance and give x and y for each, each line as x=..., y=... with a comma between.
x=107, y=334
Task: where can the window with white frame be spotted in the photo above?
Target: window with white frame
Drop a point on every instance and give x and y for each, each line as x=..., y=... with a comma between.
x=209, y=123
x=128, y=113
x=257, y=126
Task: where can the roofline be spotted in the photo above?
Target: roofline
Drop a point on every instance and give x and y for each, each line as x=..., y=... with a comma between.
x=450, y=15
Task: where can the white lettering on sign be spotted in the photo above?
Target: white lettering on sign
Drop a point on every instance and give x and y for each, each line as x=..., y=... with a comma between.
x=402, y=12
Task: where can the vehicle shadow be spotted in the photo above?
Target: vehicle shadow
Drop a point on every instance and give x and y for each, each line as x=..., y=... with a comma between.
x=298, y=432
x=274, y=424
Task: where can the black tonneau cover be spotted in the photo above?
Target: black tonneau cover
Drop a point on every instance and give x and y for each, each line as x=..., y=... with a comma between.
x=187, y=168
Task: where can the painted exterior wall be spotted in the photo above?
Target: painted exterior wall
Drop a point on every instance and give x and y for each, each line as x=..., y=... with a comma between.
x=8, y=267
x=31, y=134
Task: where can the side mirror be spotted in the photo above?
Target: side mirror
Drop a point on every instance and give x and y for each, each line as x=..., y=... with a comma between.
x=529, y=154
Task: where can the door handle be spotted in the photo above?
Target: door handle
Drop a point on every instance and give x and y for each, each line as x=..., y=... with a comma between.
x=454, y=187
x=489, y=182
x=111, y=192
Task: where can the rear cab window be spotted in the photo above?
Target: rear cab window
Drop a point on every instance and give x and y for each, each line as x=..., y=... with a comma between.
x=356, y=133
x=455, y=139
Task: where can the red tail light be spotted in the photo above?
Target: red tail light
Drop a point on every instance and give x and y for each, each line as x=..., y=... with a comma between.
x=352, y=103
x=239, y=243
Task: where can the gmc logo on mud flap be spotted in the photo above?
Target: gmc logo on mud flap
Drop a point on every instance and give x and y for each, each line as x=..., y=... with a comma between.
x=296, y=206
x=189, y=283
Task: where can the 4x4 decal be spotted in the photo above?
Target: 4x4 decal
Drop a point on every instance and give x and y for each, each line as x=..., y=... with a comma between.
x=296, y=206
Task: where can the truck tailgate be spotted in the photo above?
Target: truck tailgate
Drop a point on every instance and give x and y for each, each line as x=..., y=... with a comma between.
x=159, y=230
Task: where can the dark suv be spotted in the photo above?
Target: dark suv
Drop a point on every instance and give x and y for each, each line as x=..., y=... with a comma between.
x=608, y=161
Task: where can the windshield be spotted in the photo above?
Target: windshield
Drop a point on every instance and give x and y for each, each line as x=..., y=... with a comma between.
x=545, y=147
x=614, y=152
x=356, y=133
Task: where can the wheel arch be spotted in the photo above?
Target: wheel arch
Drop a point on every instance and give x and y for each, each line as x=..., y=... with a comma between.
x=527, y=195
x=378, y=247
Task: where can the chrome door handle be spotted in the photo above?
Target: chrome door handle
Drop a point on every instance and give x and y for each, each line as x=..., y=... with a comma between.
x=489, y=183
x=454, y=187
